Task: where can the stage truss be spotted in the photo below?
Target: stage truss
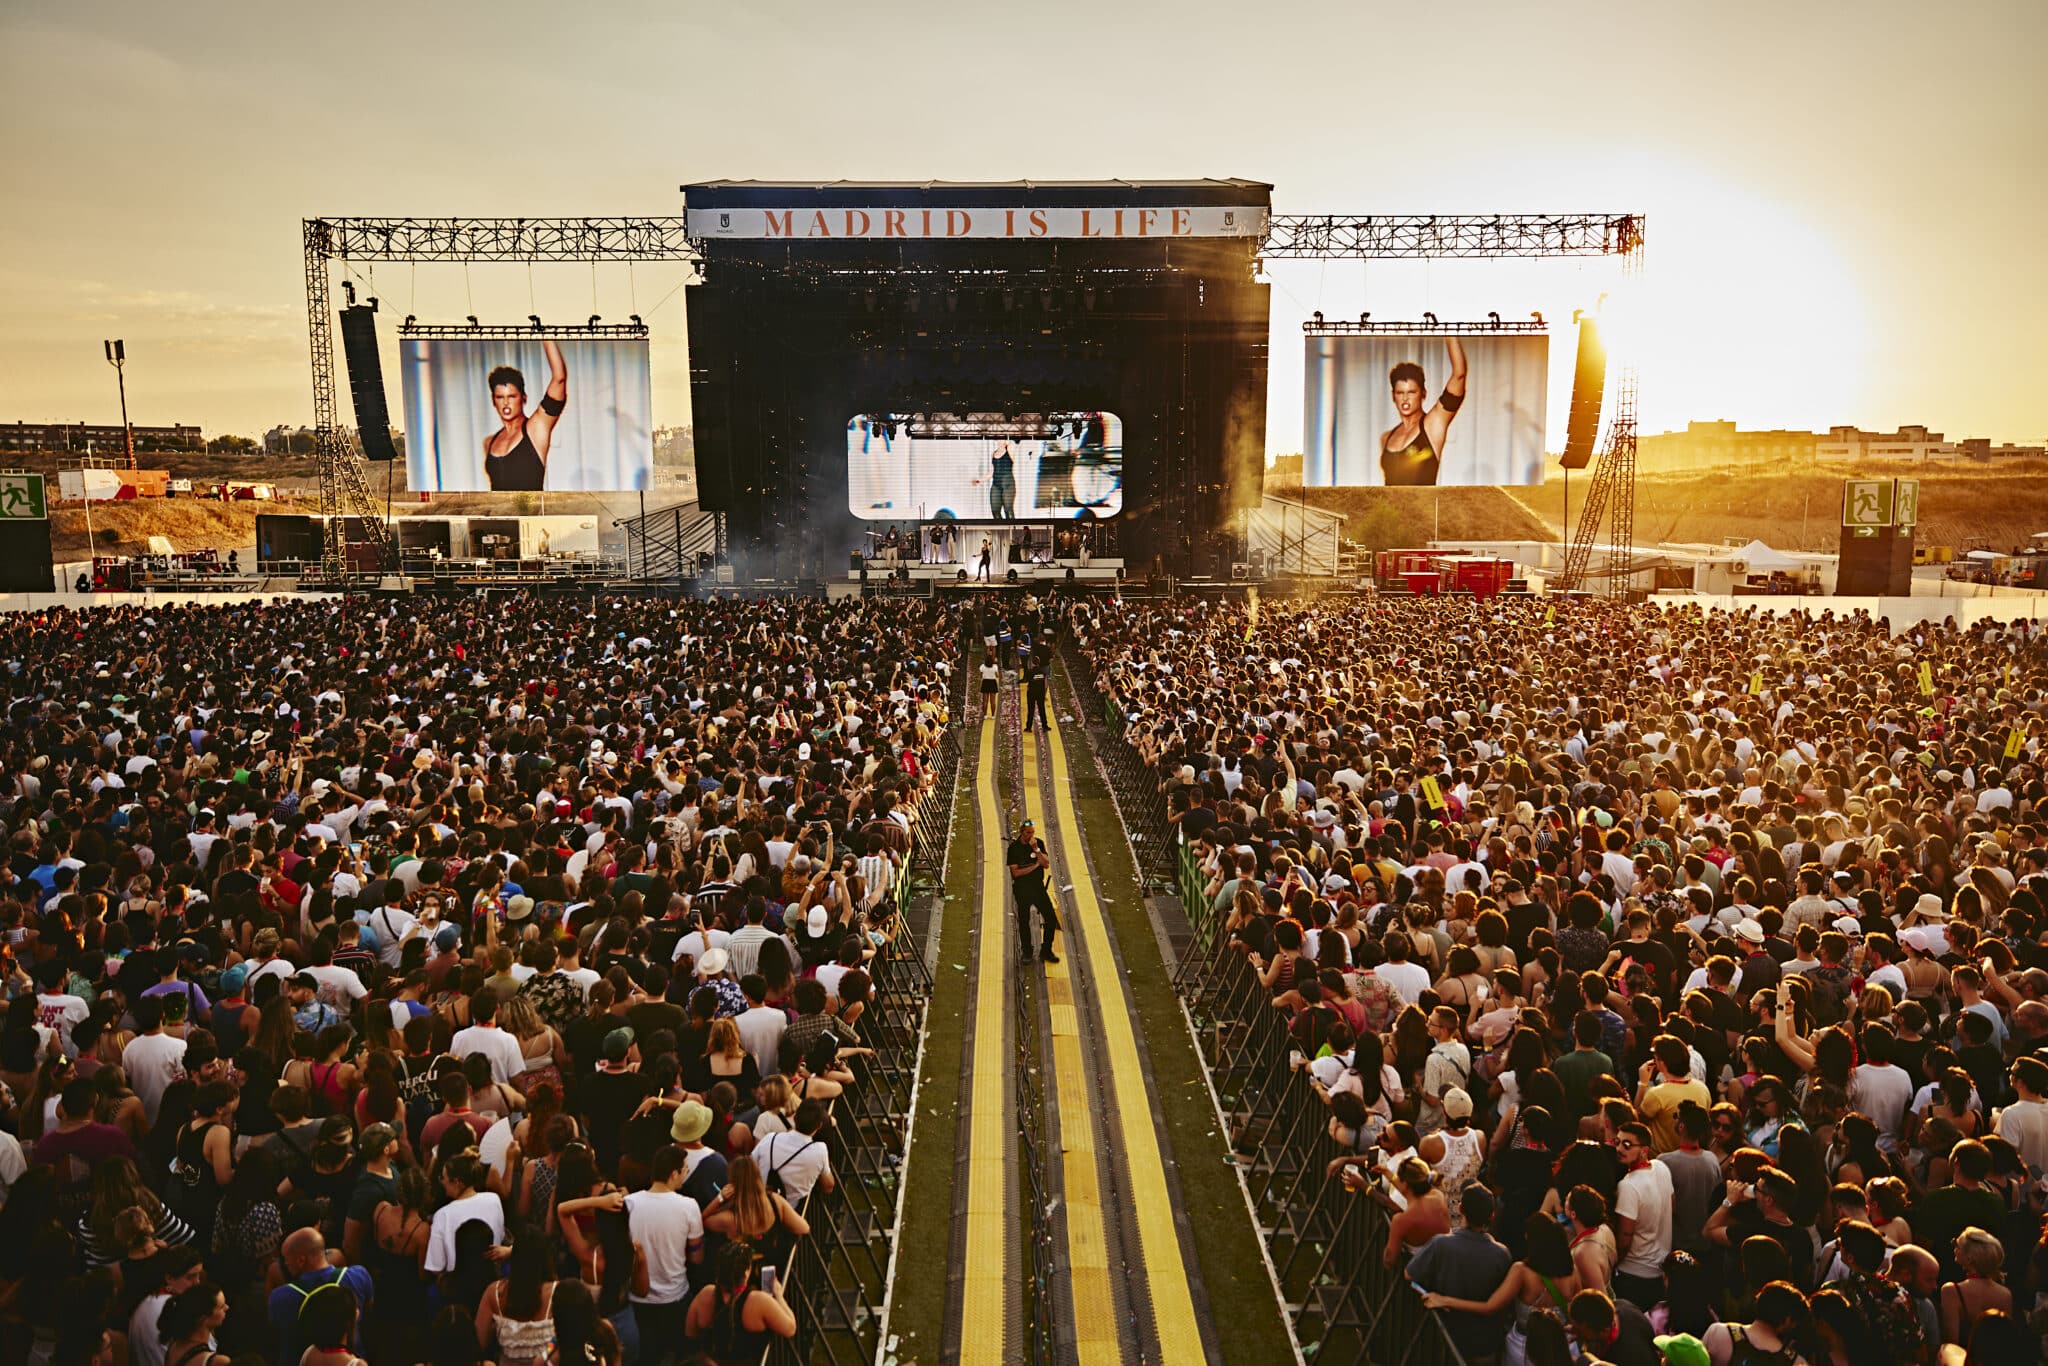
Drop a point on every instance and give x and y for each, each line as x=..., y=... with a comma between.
x=345, y=492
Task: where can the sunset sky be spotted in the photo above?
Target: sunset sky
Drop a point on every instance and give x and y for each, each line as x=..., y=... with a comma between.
x=1846, y=201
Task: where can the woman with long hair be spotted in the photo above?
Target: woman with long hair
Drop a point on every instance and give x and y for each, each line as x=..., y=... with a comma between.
x=1543, y=1278
x=517, y=1312
x=583, y=1337
x=581, y=1191
x=748, y=1211
x=727, y=1059
x=547, y=1057
x=189, y=1321
x=396, y=1252
x=248, y=1224
x=117, y=1185
x=731, y=1319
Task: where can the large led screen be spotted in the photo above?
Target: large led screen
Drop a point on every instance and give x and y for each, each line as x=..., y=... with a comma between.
x=1429, y=408
x=527, y=413
x=1057, y=467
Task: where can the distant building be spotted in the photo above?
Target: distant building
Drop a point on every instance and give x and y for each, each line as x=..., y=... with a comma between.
x=1919, y=445
x=1706, y=445
x=101, y=438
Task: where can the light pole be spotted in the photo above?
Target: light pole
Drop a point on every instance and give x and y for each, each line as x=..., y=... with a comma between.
x=117, y=356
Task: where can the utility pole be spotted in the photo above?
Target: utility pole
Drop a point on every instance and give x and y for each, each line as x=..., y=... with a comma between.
x=117, y=356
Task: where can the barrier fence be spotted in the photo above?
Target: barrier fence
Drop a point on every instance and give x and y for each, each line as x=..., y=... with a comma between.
x=836, y=1278
x=1325, y=1241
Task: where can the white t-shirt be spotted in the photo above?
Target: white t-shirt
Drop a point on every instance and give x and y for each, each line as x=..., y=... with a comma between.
x=58, y=1013
x=761, y=1030
x=1882, y=1093
x=338, y=986
x=1645, y=1195
x=390, y=924
x=507, y=1062
x=483, y=1205
x=799, y=1158
x=1409, y=979
x=2024, y=1124
x=664, y=1224
x=153, y=1062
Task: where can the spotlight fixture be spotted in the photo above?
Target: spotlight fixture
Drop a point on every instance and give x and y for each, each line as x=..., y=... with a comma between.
x=1538, y=317
x=410, y=320
x=1577, y=314
x=1318, y=315
x=534, y=318
x=348, y=287
x=473, y=322
x=636, y=320
x=594, y=319
x=1495, y=317
x=1430, y=318
x=1364, y=318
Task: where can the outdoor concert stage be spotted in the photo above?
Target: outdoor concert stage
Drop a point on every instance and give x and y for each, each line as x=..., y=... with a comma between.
x=875, y=355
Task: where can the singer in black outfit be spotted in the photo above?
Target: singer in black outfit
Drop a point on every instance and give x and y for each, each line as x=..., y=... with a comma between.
x=1029, y=864
x=516, y=455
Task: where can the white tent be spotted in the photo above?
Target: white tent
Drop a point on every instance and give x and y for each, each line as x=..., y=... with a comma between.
x=1292, y=537
x=1758, y=558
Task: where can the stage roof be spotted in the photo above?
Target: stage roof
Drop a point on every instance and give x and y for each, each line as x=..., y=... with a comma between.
x=735, y=194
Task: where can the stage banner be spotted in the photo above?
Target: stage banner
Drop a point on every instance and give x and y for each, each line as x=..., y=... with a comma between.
x=1021, y=223
x=524, y=414
x=1420, y=409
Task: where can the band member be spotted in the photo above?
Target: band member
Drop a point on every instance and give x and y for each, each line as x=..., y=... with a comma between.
x=1412, y=451
x=516, y=455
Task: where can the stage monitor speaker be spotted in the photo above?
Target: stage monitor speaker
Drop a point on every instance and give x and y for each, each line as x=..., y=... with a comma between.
x=366, y=381
x=27, y=564
x=1589, y=382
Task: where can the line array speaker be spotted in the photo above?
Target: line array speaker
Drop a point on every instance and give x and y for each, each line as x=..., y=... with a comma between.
x=1589, y=381
x=366, y=381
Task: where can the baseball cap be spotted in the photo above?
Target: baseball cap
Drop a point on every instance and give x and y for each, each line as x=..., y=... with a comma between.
x=618, y=1044
x=691, y=1123
x=1457, y=1105
x=447, y=937
x=817, y=920
x=234, y=979
x=1682, y=1349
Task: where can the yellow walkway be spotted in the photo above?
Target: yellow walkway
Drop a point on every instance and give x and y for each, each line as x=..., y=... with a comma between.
x=1131, y=1133
x=1097, y=1338
x=987, y=1276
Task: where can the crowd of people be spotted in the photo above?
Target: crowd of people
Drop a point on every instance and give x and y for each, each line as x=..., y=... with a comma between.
x=1676, y=984
x=440, y=980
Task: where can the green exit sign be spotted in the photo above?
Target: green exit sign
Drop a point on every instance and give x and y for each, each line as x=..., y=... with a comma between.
x=22, y=497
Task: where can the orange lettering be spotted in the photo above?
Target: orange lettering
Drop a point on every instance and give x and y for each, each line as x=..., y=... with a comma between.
x=1009, y=222
x=776, y=229
x=819, y=227
x=1038, y=227
x=851, y=216
x=1087, y=229
x=1119, y=224
x=1180, y=223
x=1145, y=217
x=892, y=223
x=966, y=223
x=927, y=224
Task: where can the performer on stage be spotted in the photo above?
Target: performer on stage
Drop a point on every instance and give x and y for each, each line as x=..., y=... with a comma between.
x=516, y=455
x=1412, y=451
x=1029, y=864
x=988, y=551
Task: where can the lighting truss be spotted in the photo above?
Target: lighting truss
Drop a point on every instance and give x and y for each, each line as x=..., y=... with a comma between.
x=444, y=331
x=1395, y=237
x=1318, y=327
x=507, y=239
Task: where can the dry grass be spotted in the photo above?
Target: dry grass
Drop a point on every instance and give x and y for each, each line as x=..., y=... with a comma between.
x=1799, y=509
x=190, y=524
x=1380, y=518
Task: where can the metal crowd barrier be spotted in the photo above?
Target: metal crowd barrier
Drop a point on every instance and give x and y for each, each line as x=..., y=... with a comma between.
x=1034, y=1183
x=1132, y=782
x=1324, y=1240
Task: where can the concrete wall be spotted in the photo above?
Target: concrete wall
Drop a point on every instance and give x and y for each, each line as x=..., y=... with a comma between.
x=1902, y=613
x=39, y=602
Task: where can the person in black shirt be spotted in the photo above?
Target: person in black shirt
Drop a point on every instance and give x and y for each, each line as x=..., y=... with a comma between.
x=1034, y=693
x=1028, y=866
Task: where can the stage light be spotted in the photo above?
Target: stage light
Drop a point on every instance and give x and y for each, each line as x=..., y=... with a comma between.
x=534, y=318
x=473, y=322
x=1538, y=317
x=636, y=320
x=348, y=287
x=1317, y=316
x=1430, y=318
x=409, y=320
x=1495, y=317
x=593, y=321
x=1364, y=318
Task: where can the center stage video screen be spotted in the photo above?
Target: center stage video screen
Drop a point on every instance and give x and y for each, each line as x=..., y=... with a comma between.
x=1413, y=410
x=527, y=413
x=1055, y=467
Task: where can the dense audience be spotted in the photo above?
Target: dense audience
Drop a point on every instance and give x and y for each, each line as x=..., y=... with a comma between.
x=1678, y=984
x=439, y=980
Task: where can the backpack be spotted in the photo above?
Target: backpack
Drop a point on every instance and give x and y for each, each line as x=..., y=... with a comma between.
x=1747, y=1353
x=772, y=1178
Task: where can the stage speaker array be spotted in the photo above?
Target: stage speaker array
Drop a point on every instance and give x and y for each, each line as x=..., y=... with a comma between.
x=366, y=380
x=1589, y=382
